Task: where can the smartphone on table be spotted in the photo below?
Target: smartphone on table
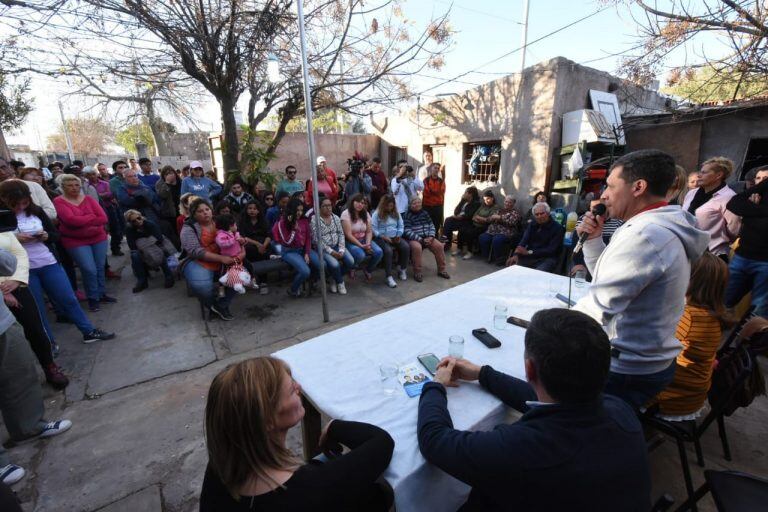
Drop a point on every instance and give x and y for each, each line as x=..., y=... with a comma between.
x=430, y=362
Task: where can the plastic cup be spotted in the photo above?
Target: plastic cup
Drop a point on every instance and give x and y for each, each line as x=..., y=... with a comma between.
x=580, y=278
x=456, y=346
x=500, y=317
x=388, y=374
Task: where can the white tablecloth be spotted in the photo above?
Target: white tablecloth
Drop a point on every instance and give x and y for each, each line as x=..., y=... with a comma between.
x=339, y=371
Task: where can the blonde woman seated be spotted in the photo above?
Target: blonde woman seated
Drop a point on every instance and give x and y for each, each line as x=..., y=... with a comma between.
x=251, y=406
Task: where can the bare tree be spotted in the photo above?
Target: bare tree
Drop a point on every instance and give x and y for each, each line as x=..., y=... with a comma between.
x=742, y=24
x=89, y=136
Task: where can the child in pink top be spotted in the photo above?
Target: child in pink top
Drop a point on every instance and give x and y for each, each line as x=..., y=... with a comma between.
x=230, y=244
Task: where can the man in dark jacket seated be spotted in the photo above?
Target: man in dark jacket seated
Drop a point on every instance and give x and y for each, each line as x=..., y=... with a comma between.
x=573, y=448
x=541, y=243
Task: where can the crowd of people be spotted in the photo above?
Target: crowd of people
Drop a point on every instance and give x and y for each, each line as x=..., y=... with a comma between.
x=664, y=282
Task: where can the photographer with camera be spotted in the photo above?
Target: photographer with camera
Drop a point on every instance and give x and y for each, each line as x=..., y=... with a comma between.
x=405, y=186
x=357, y=182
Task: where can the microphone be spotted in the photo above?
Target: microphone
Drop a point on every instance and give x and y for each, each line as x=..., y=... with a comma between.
x=597, y=211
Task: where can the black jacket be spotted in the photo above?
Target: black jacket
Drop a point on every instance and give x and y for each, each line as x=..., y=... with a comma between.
x=754, y=222
x=583, y=457
x=470, y=211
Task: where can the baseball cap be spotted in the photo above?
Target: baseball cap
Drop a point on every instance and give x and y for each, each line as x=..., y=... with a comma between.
x=320, y=160
x=194, y=164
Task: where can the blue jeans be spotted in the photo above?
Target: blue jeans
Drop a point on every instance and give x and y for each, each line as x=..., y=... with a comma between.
x=337, y=268
x=201, y=283
x=55, y=282
x=91, y=260
x=638, y=390
x=748, y=275
x=295, y=258
x=494, y=245
x=140, y=269
x=358, y=254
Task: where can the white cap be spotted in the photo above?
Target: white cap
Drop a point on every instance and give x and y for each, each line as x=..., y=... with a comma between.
x=194, y=164
x=89, y=169
x=320, y=159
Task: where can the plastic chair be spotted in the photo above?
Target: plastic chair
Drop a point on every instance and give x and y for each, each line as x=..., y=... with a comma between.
x=739, y=365
x=732, y=491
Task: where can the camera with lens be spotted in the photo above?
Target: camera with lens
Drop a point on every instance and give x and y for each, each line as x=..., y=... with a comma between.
x=355, y=166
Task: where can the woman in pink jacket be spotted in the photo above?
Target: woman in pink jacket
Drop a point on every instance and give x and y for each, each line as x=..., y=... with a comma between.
x=84, y=236
x=707, y=202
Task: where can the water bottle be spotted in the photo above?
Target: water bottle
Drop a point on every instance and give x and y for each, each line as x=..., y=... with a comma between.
x=571, y=221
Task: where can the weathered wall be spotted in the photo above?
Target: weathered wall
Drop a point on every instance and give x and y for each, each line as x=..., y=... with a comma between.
x=691, y=140
x=525, y=116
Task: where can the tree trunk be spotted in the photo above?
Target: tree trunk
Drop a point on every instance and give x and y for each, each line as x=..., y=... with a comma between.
x=157, y=128
x=286, y=113
x=5, y=153
x=230, y=143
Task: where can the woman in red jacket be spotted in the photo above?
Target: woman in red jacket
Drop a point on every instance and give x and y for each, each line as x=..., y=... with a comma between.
x=84, y=236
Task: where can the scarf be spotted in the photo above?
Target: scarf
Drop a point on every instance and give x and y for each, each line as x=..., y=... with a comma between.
x=701, y=198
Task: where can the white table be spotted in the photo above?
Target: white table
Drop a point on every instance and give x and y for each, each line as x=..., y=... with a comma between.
x=339, y=371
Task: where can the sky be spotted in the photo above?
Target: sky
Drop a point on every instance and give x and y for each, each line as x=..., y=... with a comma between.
x=484, y=31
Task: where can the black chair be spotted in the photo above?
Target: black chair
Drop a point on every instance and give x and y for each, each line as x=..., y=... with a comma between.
x=732, y=491
x=732, y=372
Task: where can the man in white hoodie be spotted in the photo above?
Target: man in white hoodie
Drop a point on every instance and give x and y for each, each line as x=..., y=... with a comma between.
x=640, y=279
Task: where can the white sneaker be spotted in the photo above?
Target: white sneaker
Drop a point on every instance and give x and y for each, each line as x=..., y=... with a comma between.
x=467, y=256
x=333, y=288
x=403, y=275
x=11, y=474
x=391, y=282
x=55, y=428
x=455, y=252
x=342, y=289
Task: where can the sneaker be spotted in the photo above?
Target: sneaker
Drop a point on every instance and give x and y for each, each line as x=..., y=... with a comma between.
x=80, y=294
x=93, y=305
x=275, y=257
x=106, y=299
x=110, y=274
x=467, y=256
x=418, y=277
x=342, y=289
x=444, y=274
x=391, y=282
x=55, y=376
x=140, y=287
x=254, y=284
x=294, y=295
x=97, y=335
x=11, y=474
x=455, y=252
x=55, y=428
x=403, y=276
x=227, y=313
x=263, y=289
x=333, y=288
x=221, y=312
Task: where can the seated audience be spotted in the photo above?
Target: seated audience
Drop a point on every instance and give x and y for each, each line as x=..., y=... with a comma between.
x=293, y=234
x=387, y=227
x=251, y=407
x=358, y=233
x=468, y=233
x=184, y=201
x=201, y=262
x=538, y=197
x=461, y=218
x=420, y=233
x=337, y=259
x=700, y=332
x=222, y=208
x=541, y=243
x=589, y=445
x=290, y=184
x=254, y=229
x=275, y=211
x=503, y=231
x=148, y=250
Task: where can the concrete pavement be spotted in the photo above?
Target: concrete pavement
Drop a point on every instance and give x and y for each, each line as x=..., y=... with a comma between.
x=137, y=402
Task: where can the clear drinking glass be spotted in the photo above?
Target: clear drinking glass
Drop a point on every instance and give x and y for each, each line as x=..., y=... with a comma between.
x=580, y=278
x=456, y=346
x=500, y=317
x=554, y=287
x=388, y=373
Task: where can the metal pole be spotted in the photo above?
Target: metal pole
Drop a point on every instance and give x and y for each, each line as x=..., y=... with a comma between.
x=525, y=35
x=312, y=153
x=70, y=152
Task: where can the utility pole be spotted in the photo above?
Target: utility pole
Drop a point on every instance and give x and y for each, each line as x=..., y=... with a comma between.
x=70, y=152
x=525, y=35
